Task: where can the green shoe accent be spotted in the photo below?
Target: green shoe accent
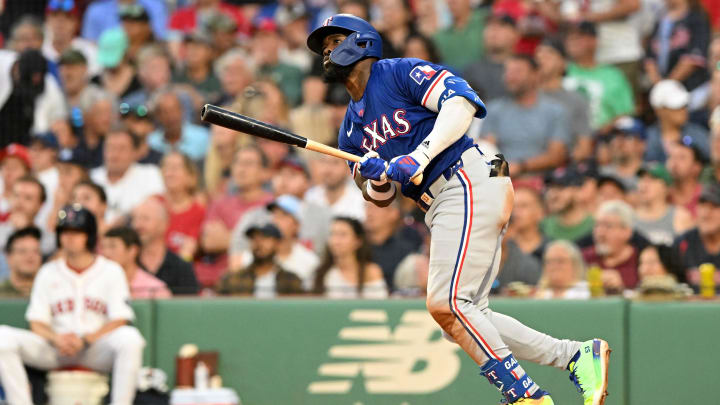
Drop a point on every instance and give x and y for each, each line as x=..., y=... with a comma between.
x=545, y=400
x=590, y=371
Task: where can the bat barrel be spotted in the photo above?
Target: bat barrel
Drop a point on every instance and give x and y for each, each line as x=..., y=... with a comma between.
x=228, y=119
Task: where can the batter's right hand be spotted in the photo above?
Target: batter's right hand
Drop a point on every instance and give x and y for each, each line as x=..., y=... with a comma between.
x=372, y=167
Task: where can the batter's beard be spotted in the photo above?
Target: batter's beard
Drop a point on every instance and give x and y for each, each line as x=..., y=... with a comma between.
x=334, y=73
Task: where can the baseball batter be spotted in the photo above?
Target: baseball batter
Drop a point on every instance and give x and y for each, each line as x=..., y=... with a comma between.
x=78, y=315
x=409, y=117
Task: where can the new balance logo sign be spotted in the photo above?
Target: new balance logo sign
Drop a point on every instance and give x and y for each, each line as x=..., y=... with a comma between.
x=400, y=361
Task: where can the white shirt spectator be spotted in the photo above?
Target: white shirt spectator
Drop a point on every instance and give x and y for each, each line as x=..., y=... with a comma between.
x=351, y=204
x=618, y=40
x=337, y=287
x=139, y=182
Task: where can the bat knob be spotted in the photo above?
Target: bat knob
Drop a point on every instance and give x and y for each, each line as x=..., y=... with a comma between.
x=203, y=111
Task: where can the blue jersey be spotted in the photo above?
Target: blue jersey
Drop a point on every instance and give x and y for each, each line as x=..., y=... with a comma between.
x=398, y=110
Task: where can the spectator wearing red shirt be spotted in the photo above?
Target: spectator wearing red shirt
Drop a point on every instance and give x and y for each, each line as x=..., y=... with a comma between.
x=14, y=164
x=185, y=210
x=249, y=172
x=612, y=249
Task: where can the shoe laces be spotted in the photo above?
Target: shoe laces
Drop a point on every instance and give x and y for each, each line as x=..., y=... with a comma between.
x=576, y=380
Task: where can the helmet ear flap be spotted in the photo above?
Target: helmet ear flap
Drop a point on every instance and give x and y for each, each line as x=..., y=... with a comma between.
x=355, y=47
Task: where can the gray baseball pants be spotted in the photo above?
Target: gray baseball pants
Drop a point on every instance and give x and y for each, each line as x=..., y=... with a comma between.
x=467, y=221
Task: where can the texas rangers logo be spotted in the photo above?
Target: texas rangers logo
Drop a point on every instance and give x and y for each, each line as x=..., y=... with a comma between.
x=422, y=73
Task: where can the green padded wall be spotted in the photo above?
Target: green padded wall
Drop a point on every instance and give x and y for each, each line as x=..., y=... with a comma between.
x=12, y=313
x=673, y=357
x=367, y=352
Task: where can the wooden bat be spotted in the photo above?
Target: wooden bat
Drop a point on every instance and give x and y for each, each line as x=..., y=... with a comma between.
x=228, y=119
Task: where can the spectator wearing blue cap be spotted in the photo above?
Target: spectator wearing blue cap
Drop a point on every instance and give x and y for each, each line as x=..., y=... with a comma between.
x=670, y=99
x=292, y=255
x=626, y=148
x=264, y=277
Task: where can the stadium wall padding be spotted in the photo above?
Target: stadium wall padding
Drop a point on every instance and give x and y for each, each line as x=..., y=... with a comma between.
x=316, y=351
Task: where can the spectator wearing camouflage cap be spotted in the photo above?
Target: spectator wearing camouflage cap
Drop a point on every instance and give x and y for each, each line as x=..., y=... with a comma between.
x=198, y=69
x=656, y=219
x=702, y=243
x=75, y=77
x=567, y=218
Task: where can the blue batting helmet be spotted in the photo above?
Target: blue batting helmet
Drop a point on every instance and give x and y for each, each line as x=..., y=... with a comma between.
x=363, y=39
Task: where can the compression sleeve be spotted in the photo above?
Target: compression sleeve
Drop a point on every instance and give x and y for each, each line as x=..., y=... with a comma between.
x=452, y=122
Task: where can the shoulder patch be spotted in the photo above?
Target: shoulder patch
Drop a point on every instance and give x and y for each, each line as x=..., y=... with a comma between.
x=421, y=73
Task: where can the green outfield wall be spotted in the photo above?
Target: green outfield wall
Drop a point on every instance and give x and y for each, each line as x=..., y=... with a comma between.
x=320, y=352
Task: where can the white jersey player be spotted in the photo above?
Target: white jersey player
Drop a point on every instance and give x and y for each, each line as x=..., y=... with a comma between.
x=78, y=315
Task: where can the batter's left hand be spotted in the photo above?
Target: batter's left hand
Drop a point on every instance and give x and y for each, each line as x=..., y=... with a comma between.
x=404, y=168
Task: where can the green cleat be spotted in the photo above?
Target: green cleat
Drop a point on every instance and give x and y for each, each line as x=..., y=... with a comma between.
x=589, y=371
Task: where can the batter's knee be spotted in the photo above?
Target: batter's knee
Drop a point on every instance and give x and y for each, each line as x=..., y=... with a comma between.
x=8, y=342
x=441, y=313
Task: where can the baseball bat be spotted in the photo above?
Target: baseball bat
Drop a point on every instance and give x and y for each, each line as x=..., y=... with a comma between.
x=238, y=122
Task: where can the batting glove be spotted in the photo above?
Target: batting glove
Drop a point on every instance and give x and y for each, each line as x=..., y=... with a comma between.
x=372, y=167
x=404, y=168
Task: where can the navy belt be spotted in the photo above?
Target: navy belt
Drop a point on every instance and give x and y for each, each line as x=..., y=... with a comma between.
x=498, y=168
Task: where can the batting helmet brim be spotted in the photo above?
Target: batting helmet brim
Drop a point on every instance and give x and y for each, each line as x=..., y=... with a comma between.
x=316, y=38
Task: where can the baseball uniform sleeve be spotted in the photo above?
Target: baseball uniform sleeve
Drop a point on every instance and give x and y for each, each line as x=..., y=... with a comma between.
x=39, y=308
x=430, y=85
x=118, y=294
x=346, y=142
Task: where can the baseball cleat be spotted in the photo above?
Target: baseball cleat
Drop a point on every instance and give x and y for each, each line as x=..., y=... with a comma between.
x=540, y=398
x=589, y=371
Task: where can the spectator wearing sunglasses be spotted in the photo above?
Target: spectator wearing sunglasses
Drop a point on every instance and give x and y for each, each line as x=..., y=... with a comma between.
x=138, y=120
x=102, y=15
x=62, y=24
x=669, y=99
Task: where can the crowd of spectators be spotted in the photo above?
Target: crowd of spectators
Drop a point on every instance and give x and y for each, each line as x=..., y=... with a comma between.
x=608, y=112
